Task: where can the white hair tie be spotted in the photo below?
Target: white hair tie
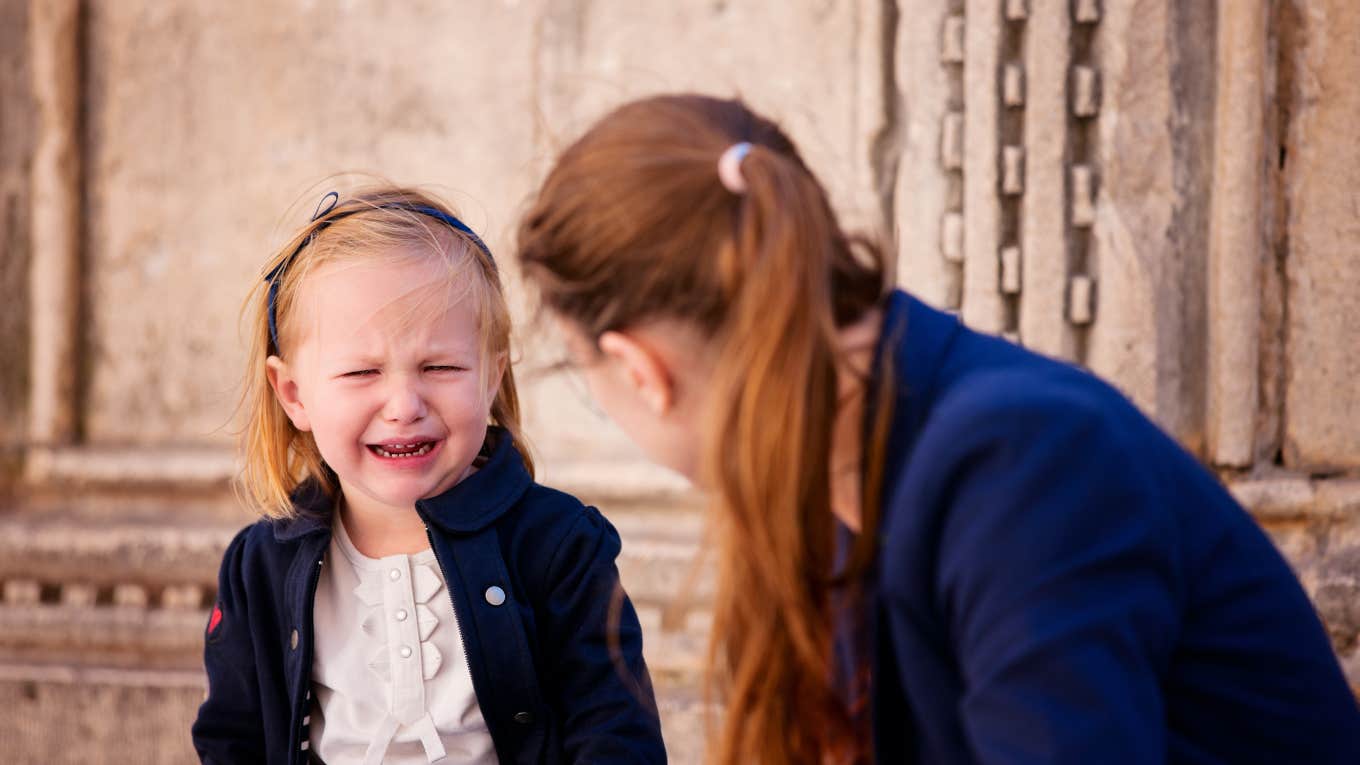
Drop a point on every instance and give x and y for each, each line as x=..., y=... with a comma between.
x=729, y=167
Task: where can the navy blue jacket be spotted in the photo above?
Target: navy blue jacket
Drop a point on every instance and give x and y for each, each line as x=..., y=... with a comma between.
x=557, y=667
x=1059, y=582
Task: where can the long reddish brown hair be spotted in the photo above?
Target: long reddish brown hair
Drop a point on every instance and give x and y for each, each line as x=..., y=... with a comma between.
x=633, y=224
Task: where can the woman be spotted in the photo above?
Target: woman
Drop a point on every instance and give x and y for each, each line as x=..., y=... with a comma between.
x=935, y=546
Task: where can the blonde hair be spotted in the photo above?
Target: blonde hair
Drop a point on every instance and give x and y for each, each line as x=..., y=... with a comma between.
x=375, y=222
x=633, y=223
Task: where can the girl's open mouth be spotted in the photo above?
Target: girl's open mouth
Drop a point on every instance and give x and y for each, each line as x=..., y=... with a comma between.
x=402, y=451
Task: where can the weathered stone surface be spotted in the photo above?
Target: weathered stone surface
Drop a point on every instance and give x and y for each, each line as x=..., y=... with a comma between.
x=116, y=718
x=1237, y=244
x=205, y=124
x=982, y=237
x=1322, y=186
x=1140, y=327
x=1042, y=320
x=17, y=127
x=55, y=220
x=930, y=144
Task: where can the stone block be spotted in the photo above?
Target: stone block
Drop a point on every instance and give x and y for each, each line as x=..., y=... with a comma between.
x=17, y=137
x=143, y=720
x=1045, y=231
x=928, y=226
x=1321, y=178
x=1145, y=336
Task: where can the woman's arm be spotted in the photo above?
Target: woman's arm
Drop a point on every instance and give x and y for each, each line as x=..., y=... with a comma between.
x=1058, y=578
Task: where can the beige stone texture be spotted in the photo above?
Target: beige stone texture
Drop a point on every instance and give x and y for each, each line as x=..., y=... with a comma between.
x=1237, y=243
x=17, y=127
x=54, y=224
x=1148, y=251
x=1133, y=215
x=930, y=138
x=1322, y=178
x=1044, y=236
x=982, y=304
x=138, y=718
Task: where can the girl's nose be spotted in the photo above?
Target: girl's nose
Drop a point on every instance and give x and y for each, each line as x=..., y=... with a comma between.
x=405, y=403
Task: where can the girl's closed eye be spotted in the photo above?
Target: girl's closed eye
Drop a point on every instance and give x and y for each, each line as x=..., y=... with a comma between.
x=445, y=368
x=360, y=373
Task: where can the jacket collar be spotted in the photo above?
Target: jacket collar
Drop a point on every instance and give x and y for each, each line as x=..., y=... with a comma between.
x=915, y=340
x=469, y=505
x=478, y=500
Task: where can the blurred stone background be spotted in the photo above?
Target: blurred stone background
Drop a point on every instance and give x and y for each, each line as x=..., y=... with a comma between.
x=1167, y=191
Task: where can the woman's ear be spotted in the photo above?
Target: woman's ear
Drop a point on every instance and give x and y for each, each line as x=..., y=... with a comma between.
x=643, y=367
x=493, y=381
x=285, y=387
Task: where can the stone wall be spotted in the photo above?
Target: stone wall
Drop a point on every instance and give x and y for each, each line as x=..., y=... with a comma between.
x=1162, y=190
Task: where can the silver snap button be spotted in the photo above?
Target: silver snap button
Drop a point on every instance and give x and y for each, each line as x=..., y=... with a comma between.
x=405, y=652
x=495, y=595
x=394, y=574
x=293, y=640
x=400, y=614
x=523, y=718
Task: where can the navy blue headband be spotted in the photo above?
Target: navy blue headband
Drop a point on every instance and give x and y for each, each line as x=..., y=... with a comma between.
x=275, y=274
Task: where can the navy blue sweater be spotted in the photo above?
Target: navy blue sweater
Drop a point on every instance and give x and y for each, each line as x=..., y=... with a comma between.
x=557, y=667
x=1059, y=582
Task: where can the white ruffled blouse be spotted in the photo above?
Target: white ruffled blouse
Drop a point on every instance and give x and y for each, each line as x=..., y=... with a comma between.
x=389, y=676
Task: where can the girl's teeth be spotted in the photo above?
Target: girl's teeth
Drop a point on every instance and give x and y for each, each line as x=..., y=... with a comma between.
x=424, y=449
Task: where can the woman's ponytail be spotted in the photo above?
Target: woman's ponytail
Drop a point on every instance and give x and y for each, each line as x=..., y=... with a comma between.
x=633, y=224
x=771, y=423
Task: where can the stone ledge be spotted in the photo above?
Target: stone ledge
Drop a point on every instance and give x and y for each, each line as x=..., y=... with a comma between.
x=85, y=676
x=630, y=480
x=1289, y=497
x=66, y=550
x=125, y=634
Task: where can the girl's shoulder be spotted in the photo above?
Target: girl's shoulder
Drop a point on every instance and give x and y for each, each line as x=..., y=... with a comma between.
x=265, y=550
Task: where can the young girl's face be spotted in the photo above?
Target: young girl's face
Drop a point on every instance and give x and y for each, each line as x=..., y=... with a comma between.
x=387, y=374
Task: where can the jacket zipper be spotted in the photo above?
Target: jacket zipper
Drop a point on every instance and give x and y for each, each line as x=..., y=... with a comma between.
x=457, y=616
x=305, y=688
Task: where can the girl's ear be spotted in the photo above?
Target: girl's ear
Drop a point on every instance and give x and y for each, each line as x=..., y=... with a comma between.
x=285, y=387
x=643, y=368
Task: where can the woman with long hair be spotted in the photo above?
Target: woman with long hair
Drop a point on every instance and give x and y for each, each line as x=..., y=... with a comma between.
x=934, y=545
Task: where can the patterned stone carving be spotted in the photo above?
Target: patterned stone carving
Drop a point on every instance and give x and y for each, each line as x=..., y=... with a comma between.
x=951, y=44
x=130, y=596
x=1085, y=91
x=1083, y=197
x=78, y=594
x=1086, y=11
x=1081, y=300
x=1010, y=270
x=951, y=236
x=951, y=141
x=1013, y=86
x=1012, y=170
x=182, y=597
x=22, y=592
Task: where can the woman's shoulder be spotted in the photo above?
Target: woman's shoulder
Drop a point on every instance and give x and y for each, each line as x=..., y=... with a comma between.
x=1024, y=395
